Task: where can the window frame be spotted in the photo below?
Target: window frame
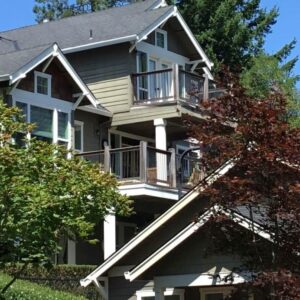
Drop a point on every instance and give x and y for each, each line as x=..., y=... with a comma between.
x=81, y=125
x=168, y=292
x=225, y=290
x=45, y=76
x=56, y=105
x=165, y=35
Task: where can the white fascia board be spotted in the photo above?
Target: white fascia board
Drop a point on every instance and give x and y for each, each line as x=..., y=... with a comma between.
x=21, y=73
x=99, y=44
x=247, y=224
x=193, y=39
x=175, y=13
x=157, y=223
x=191, y=229
x=86, y=92
x=96, y=110
x=132, y=190
x=144, y=34
x=170, y=245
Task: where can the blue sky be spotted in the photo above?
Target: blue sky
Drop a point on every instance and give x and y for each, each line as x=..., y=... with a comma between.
x=17, y=13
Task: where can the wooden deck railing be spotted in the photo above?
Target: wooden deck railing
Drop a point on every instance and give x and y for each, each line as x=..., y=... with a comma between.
x=137, y=164
x=172, y=84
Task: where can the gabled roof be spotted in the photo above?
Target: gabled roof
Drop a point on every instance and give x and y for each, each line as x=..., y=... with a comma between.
x=24, y=61
x=190, y=230
x=156, y=224
x=131, y=23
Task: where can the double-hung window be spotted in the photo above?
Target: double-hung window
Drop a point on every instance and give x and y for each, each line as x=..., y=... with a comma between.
x=169, y=294
x=42, y=83
x=161, y=38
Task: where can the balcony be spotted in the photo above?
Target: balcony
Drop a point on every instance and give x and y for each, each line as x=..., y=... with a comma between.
x=146, y=165
x=172, y=85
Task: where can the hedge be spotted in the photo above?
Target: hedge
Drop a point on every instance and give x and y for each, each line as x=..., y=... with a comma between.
x=60, y=277
x=24, y=290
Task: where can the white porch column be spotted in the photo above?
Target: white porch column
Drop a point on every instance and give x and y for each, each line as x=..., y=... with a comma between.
x=71, y=252
x=161, y=143
x=159, y=294
x=109, y=235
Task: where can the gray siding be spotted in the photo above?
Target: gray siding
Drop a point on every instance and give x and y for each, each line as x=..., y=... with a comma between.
x=143, y=114
x=107, y=71
x=122, y=289
x=165, y=233
x=91, y=130
x=193, y=257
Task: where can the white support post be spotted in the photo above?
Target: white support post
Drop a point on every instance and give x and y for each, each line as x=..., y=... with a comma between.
x=109, y=232
x=161, y=143
x=71, y=252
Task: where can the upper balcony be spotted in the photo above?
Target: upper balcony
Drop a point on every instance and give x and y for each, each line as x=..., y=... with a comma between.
x=143, y=170
x=172, y=85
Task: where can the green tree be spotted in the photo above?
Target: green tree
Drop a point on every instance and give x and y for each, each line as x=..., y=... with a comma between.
x=230, y=31
x=271, y=73
x=44, y=196
x=51, y=10
x=58, y=9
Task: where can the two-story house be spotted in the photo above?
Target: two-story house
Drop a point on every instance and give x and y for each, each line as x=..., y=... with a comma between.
x=114, y=85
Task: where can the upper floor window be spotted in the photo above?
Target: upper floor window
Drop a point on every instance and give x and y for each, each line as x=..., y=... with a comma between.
x=42, y=83
x=161, y=38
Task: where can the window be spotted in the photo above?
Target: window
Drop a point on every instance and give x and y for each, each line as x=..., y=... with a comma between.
x=43, y=118
x=78, y=136
x=52, y=125
x=161, y=38
x=42, y=83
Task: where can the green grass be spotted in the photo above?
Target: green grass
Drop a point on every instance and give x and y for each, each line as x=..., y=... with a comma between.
x=24, y=290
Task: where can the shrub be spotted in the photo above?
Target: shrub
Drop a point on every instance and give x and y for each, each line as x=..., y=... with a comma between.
x=24, y=290
x=60, y=277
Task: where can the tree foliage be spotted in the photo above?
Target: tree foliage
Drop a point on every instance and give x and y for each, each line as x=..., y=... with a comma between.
x=265, y=180
x=270, y=73
x=58, y=9
x=44, y=196
x=230, y=31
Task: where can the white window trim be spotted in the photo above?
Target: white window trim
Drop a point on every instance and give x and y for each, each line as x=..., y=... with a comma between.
x=165, y=34
x=81, y=124
x=168, y=292
x=46, y=76
x=213, y=290
x=56, y=105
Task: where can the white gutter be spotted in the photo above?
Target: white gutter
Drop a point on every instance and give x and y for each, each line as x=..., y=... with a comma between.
x=94, y=45
x=184, y=201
